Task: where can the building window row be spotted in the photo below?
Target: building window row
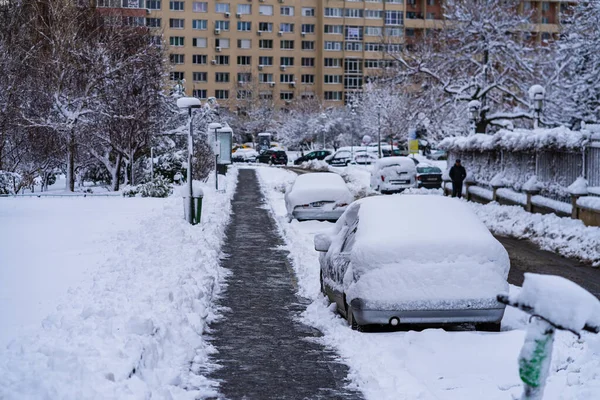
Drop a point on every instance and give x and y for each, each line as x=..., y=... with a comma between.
x=224, y=8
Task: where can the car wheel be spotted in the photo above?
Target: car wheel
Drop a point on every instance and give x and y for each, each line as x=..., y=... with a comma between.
x=488, y=327
x=270, y=162
x=322, y=285
x=351, y=321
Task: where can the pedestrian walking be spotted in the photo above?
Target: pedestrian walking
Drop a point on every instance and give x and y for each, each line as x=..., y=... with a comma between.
x=457, y=175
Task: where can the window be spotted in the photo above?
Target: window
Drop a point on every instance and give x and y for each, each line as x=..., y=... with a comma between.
x=545, y=6
x=352, y=66
x=222, y=94
x=308, y=28
x=374, y=14
x=286, y=78
x=308, y=79
x=545, y=20
x=334, y=12
x=308, y=12
x=287, y=96
x=334, y=29
x=372, y=46
x=222, y=77
x=265, y=78
x=265, y=10
x=244, y=26
x=176, y=5
x=286, y=45
x=221, y=8
x=372, y=31
x=332, y=79
x=394, y=18
x=177, y=58
x=244, y=60
x=176, y=76
x=222, y=60
x=244, y=94
x=286, y=28
x=265, y=26
x=308, y=62
x=354, y=12
x=333, y=46
x=153, y=4
x=199, y=59
x=353, y=82
x=200, y=93
x=394, y=32
x=200, y=6
x=199, y=42
x=431, y=2
x=176, y=23
x=308, y=45
x=222, y=43
x=244, y=77
x=266, y=95
x=265, y=60
x=332, y=62
x=200, y=24
x=287, y=11
x=287, y=61
x=333, y=96
x=222, y=25
x=244, y=9
x=244, y=43
x=176, y=41
x=153, y=22
x=354, y=33
x=265, y=44
x=199, y=76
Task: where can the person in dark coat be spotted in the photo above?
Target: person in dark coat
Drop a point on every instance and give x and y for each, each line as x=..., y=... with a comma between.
x=457, y=175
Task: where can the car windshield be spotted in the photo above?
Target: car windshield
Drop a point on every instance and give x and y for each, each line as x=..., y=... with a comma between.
x=429, y=170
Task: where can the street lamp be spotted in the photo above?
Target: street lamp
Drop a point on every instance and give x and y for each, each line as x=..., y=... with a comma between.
x=324, y=119
x=474, y=107
x=379, y=129
x=537, y=94
x=189, y=103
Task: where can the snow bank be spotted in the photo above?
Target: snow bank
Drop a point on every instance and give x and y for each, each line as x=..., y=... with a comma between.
x=319, y=186
x=481, y=192
x=579, y=187
x=137, y=331
x=518, y=140
x=562, y=235
x=556, y=205
x=590, y=202
x=559, y=300
x=316, y=165
x=516, y=197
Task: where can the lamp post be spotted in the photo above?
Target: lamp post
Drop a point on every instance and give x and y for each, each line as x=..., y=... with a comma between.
x=537, y=94
x=474, y=107
x=379, y=129
x=324, y=119
x=189, y=103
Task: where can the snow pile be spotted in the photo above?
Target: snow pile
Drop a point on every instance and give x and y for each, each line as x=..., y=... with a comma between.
x=498, y=180
x=532, y=185
x=315, y=187
x=316, y=165
x=559, y=300
x=518, y=140
x=357, y=179
x=565, y=236
x=591, y=202
x=423, y=191
x=136, y=331
x=579, y=187
x=515, y=197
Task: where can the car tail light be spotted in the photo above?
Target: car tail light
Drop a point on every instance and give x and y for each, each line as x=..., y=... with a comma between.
x=418, y=178
x=340, y=205
x=382, y=178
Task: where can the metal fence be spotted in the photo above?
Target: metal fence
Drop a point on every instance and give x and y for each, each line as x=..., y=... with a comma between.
x=592, y=164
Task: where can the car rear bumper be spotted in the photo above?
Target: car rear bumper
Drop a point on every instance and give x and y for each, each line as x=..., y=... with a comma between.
x=455, y=316
x=395, y=188
x=328, y=215
x=430, y=185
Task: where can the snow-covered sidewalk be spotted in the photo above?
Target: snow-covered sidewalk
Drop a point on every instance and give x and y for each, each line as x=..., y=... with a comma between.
x=432, y=364
x=126, y=289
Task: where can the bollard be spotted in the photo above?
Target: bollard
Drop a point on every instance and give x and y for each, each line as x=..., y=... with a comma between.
x=198, y=208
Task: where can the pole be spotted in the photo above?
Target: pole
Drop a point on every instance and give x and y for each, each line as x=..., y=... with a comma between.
x=379, y=131
x=190, y=213
x=536, y=121
x=216, y=162
x=152, y=163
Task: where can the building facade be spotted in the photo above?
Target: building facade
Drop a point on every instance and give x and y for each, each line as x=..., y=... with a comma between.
x=290, y=49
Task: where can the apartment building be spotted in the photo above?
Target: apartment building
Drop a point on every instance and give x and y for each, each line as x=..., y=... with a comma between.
x=290, y=49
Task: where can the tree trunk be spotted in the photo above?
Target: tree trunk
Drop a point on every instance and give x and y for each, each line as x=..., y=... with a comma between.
x=115, y=174
x=131, y=155
x=70, y=184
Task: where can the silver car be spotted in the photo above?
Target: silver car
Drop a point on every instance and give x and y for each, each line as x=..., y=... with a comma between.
x=384, y=264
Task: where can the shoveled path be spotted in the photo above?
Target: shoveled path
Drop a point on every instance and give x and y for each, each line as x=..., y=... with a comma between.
x=265, y=353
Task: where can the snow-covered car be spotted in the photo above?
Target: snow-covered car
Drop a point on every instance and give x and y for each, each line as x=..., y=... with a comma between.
x=429, y=176
x=438, y=155
x=320, y=196
x=365, y=157
x=393, y=174
x=244, y=155
x=413, y=259
x=313, y=155
x=340, y=158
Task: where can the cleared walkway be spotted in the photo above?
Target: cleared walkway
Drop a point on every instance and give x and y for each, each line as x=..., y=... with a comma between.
x=265, y=353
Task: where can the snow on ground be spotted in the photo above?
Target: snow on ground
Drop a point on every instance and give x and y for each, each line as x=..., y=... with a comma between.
x=130, y=289
x=432, y=364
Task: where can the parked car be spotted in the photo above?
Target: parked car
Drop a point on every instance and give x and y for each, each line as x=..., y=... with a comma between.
x=340, y=158
x=313, y=155
x=319, y=195
x=438, y=155
x=385, y=264
x=365, y=157
x=429, y=176
x=273, y=157
x=244, y=155
x=393, y=174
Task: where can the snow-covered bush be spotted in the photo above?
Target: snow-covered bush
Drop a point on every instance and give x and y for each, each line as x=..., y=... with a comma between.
x=8, y=182
x=159, y=187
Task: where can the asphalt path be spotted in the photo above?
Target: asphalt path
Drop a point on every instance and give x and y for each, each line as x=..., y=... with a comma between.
x=264, y=352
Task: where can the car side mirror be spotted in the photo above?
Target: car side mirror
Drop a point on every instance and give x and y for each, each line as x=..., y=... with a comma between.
x=322, y=242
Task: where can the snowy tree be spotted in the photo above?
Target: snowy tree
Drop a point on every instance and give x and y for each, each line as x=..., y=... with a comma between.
x=482, y=54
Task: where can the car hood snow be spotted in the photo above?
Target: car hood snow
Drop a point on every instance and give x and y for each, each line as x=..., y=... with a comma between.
x=322, y=186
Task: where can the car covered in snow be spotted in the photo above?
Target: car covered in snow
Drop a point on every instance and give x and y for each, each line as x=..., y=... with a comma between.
x=365, y=157
x=244, y=155
x=273, y=157
x=393, y=174
x=384, y=264
x=318, y=196
x=429, y=176
x=313, y=155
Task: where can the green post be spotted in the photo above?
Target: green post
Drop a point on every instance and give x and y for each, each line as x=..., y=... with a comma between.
x=198, y=205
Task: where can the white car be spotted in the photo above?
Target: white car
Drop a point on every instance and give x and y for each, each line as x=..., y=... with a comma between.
x=244, y=155
x=364, y=157
x=393, y=174
x=413, y=259
x=319, y=196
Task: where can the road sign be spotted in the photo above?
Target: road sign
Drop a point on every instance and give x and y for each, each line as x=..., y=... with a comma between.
x=413, y=146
